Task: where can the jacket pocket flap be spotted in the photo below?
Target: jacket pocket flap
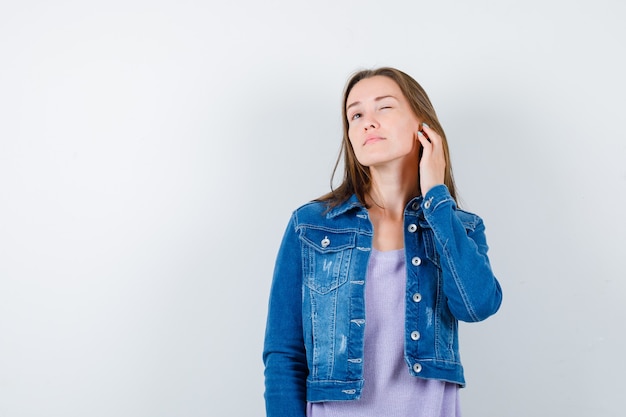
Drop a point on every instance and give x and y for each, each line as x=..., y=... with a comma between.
x=325, y=240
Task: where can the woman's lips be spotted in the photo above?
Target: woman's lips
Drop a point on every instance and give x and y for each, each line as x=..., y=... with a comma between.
x=372, y=139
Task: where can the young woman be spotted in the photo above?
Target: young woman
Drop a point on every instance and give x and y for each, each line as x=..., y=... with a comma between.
x=371, y=279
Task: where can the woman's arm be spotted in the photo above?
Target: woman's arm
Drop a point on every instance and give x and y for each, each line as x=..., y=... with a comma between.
x=284, y=355
x=472, y=290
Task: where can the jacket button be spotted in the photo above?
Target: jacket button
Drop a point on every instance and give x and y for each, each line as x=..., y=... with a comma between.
x=412, y=228
x=417, y=297
x=417, y=368
x=428, y=202
x=415, y=205
x=416, y=261
x=325, y=242
x=415, y=335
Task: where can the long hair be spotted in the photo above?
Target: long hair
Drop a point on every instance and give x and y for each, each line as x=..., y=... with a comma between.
x=356, y=177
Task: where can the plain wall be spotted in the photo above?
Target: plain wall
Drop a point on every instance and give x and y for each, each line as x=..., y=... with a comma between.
x=151, y=153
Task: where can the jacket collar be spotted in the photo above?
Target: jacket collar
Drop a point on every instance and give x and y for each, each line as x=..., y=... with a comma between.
x=349, y=204
x=353, y=202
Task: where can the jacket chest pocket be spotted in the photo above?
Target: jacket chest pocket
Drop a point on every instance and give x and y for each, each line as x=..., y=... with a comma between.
x=326, y=258
x=428, y=240
x=430, y=248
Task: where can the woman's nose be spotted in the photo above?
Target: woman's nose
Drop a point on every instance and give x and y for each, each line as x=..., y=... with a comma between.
x=370, y=123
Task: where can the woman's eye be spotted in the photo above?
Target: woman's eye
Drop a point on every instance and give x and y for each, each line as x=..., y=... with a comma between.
x=355, y=116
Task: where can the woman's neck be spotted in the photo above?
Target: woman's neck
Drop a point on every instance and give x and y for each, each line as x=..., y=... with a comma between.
x=392, y=190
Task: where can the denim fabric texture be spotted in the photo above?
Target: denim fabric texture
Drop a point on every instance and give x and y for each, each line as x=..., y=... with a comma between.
x=316, y=319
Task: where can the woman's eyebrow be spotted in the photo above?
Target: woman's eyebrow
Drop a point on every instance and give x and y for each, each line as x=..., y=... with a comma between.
x=382, y=97
x=376, y=99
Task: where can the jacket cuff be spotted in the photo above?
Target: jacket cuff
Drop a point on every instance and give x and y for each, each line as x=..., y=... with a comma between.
x=436, y=196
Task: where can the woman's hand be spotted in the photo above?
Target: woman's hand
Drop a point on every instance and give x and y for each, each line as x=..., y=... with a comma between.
x=433, y=162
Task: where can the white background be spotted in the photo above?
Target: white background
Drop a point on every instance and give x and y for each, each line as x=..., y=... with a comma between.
x=152, y=151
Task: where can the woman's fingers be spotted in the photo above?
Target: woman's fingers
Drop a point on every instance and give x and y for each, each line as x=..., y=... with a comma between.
x=425, y=141
x=433, y=162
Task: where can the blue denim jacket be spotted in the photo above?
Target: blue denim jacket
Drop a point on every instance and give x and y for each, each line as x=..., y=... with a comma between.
x=315, y=328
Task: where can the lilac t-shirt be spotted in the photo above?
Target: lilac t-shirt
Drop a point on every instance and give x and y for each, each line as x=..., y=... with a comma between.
x=389, y=390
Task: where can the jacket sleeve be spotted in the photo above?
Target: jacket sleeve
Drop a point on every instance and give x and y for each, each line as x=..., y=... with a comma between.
x=473, y=292
x=284, y=354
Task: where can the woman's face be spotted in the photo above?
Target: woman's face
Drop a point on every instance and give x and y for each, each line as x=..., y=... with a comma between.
x=381, y=125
